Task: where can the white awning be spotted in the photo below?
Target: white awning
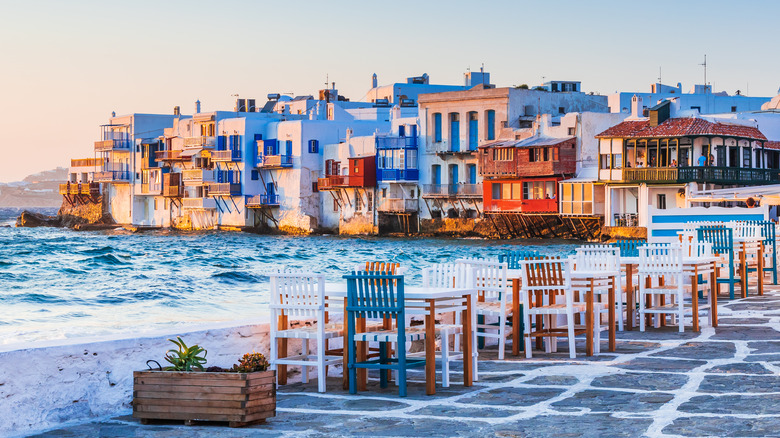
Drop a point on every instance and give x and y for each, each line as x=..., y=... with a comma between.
x=190, y=152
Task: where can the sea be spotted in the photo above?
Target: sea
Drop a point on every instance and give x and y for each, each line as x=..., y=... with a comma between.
x=58, y=283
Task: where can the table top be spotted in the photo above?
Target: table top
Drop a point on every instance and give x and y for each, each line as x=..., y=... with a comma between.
x=576, y=274
x=686, y=260
x=339, y=290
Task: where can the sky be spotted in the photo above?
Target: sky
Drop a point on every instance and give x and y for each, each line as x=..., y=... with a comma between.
x=66, y=65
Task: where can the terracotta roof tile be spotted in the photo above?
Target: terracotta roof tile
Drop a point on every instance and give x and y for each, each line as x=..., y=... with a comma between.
x=772, y=145
x=678, y=127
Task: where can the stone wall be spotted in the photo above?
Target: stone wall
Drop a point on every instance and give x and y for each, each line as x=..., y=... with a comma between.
x=457, y=227
x=42, y=386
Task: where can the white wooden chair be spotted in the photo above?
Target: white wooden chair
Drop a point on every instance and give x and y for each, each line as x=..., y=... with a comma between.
x=494, y=291
x=552, y=279
x=602, y=258
x=458, y=275
x=657, y=262
x=302, y=296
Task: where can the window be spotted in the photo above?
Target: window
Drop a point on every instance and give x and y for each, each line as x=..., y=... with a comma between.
x=697, y=108
x=496, y=189
x=491, y=124
x=384, y=192
x=757, y=164
x=546, y=154
x=369, y=201
x=358, y=201
x=561, y=110
x=255, y=175
x=503, y=154
x=411, y=158
x=517, y=191
x=235, y=142
x=617, y=161
x=155, y=203
x=733, y=109
x=662, y=201
x=604, y=160
x=437, y=127
x=572, y=131
x=746, y=157
x=314, y=146
x=506, y=192
x=335, y=204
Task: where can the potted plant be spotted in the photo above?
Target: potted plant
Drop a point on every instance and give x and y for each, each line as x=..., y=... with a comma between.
x=241, y=395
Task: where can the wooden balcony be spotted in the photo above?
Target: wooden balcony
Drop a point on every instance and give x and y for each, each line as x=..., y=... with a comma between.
x=651, y=175
x=224, y=189
x=196, y=177
x=112, y=176
x=728, y=175
x=390, y=175
x=86, y=189
x=274, y=161
x=172, y=191
x=391, y=205
x=226, y=156
x=260, y=201
x=452, y=191
x=113, y=145
x=87, y=162
x=169, y=155
x=199, y=204
x=202, y=142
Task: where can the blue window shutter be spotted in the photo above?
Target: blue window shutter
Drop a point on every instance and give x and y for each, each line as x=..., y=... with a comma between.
x=258, y=137
x=221, y=143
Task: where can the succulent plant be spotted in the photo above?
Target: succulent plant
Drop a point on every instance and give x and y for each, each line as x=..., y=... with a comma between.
x=251, y=362
x=185, y=358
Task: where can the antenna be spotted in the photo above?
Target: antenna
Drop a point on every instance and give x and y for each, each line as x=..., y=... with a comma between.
x=326, y=81
x=705, y=73
x=659, y=74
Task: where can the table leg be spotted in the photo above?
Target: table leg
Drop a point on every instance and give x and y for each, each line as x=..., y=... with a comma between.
x=662, y=302
x=539, y=324
x=468, y=371
x=649, y=302
x=630, y=305
x=743, y=271
x=430, y=349
x=589, y=316
x=714, y=293
x=281, y=370
x=387, y=324
x=760, y=268
x=612, y=324
x=362, y=355
x=695, y=298
x=517, y=338
x=345, y=351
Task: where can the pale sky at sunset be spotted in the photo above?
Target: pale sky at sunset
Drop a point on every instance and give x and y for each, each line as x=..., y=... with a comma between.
x=67, y=64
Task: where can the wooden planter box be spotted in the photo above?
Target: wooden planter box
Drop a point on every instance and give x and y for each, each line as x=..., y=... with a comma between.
x=238, y=398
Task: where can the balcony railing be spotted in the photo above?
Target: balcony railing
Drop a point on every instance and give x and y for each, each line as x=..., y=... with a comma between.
x=452, y=190
x=88, y=189
x=174, y=191
x=265, y=200
x=396, y=142
x=111, y=145
x=446, y=148
x=110, y=176
x=199, y=204
x=274, y=161
x=87, y=162
x=651, y=174
x=197, y=176
x=200, y=142
x=391, y=205
x=728, y=175
x=398, y=175
x=168, y=155
x=227, y=155
x=224, y=189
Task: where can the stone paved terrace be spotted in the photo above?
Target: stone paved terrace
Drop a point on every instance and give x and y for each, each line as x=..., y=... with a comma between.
x=720, y=382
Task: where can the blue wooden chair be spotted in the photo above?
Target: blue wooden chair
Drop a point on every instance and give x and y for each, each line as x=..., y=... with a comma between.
x=629, y=247
x=513, y=258
x=374, y=295
x=770, y=248
x=722, y=240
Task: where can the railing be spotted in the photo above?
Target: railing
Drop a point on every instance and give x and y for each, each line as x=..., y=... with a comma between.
x=172, y=191
x=540, y=205
x=112, y=176
x=89, y=189
x=87, y=162
x=197, y=175
x=198, y=204
x=168, y=155
x=226, y=155
x=728, y=175
x=651, y=174
x=262, y=200
x=224, y=189
x=200, y=142
x=110, y=145
x=452, y=190
x=391, y=205
x=274, y=161
x=446, y=148
x=396, y=142
x=398, y=175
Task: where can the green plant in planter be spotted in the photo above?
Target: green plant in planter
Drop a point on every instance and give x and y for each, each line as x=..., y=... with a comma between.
x=250, y=363
x=185, y=358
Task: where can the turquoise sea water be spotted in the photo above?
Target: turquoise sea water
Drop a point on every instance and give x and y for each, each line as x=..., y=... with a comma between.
x=57, y=283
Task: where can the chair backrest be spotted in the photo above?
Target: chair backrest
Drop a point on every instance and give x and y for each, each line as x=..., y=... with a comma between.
x=765, y=229
x=490, y=277
x=383, y=267
x=720, y=236
x=548, y=276
x=598, y=258
x=458, y=275
x=298, y=294
x=690, y=227
x=628, y=247
x=695, y=248
x=660, y=259
x=513, y=258
x=372, y=295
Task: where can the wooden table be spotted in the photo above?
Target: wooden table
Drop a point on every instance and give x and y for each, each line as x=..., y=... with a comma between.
x=577, y=276
x=742, y=245
x=422, y=301
x=692, y=265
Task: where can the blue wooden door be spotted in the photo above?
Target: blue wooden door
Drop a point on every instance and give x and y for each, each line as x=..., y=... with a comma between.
x=453, y=174
x=288, y=150
x=472, y=173
x=454, y=132
x=437, y=174
x=270, y=189
x=473, y=132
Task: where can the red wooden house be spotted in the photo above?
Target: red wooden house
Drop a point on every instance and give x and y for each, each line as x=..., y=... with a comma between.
x=522, y=175
x=361, y=173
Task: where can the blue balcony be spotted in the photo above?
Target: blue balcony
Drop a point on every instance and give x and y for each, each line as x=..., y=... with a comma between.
x=274, y=161
x=265, y=200
x=230, y=155
x=396, y=143
x=224, y=189
x=385, y=175
x=120, y=144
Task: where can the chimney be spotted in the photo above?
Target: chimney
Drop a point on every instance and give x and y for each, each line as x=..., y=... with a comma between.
x=373, y=81
x=197, y=106
x=176, y=111
x=636, y=107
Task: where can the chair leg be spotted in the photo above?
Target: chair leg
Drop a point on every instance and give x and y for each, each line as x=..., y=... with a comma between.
x=456, y=337
x=445, y=359
x=597, y=333
x=731, y=281
x=619, y=299
x=321, y=369
x=402, y=372
x=526, y=332
x=501, y=336
x=681, y=309
x=641, y=303
x=304, y=368
x=572, y=341
x=382, y=360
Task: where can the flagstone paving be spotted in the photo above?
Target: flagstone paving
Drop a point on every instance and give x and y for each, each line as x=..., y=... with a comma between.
x=719, y=382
